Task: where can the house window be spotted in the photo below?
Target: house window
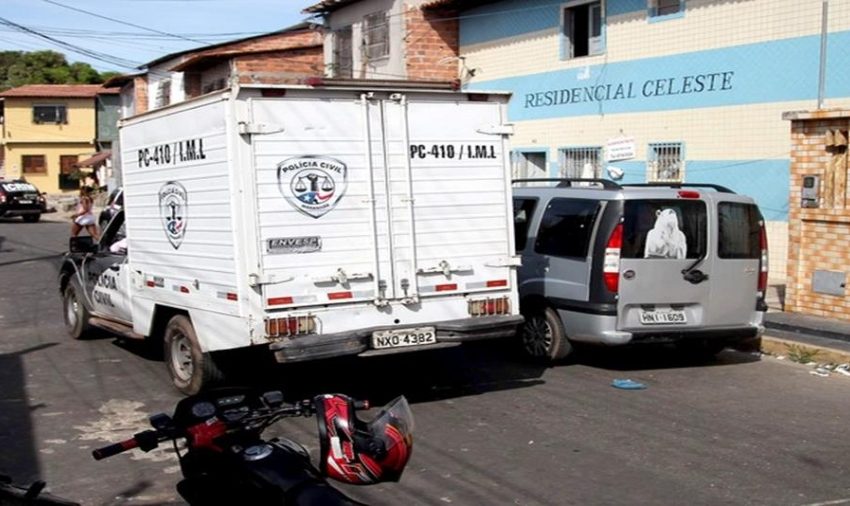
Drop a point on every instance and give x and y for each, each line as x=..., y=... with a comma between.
x=163, y=93
x=67, y=176
x=583, y=163
x=343, y=57
x=376, y=35
x=529, y=165
x=582, y=29
x=665, y=7
x=52, y=113
x=665, y=162
x=33, y=164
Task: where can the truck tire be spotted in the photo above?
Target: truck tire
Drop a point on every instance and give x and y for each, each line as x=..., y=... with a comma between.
x=31, y=218
x=191, y=369
x=543, y=336
x=75, y=313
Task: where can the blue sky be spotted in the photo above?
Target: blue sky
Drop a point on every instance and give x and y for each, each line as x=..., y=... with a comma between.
x=123, y=46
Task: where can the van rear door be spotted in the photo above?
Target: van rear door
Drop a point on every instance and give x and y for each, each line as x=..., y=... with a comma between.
x=663, y=238
x=689, y=263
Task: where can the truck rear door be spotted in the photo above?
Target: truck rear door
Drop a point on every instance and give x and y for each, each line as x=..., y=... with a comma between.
x=379, y=200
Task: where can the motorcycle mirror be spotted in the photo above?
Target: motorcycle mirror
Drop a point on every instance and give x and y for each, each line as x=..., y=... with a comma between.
x=273, y=398
x=161, y=421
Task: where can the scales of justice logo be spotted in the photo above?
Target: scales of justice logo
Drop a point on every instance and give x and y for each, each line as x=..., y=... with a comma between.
x=172, y=210
x=312, y=184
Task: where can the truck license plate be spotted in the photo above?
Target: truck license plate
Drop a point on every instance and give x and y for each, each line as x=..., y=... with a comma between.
x=22, y=201
x=384, y=339
x=663, y=317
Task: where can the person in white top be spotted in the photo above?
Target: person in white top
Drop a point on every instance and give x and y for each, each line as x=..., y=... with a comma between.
x=84, y=217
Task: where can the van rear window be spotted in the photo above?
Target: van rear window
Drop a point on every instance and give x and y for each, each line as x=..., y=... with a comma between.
x=664, y=229
x=566, y=227
x=740, y=227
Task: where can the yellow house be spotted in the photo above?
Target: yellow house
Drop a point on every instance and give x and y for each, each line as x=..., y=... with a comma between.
x=46, y=130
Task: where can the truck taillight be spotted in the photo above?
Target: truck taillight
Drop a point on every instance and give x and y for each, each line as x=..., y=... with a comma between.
x=290, y=326
x=611, y=267
x=762, y=286
x=2, y=198
x=489, y=306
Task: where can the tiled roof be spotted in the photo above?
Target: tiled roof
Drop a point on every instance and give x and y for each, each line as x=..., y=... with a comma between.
x=327, y=6
x=59, y=91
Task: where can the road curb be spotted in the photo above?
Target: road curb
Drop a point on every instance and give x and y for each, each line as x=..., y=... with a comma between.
x=823, y=354
x=786, y=327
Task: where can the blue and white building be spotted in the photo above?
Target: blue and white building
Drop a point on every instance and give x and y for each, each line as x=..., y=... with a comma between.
x=659, y=90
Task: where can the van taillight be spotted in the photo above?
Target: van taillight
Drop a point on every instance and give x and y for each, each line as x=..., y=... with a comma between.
x=762, y=287
x=611, y=267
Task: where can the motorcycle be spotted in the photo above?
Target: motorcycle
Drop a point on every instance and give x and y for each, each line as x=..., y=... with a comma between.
x=226, y=460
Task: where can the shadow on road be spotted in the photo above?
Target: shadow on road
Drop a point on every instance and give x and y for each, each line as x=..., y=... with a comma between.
x=18, y=457
x=642, y=357
x=422, y=376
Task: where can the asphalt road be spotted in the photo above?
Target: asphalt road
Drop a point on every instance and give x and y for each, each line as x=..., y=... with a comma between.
x=490, y=429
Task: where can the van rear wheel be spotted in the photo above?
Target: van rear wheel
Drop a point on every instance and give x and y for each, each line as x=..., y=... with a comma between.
x=191, y=369
x=543, y=335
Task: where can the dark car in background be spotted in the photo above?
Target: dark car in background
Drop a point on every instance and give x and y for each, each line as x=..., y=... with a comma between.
x=114, y=204
x=20, y=198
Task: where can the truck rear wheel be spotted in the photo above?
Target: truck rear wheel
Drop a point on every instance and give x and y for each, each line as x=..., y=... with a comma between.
x=74, y=312
x=543, y=335
x=191, y=369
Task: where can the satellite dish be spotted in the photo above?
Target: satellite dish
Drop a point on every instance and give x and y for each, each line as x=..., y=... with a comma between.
x=615, y=173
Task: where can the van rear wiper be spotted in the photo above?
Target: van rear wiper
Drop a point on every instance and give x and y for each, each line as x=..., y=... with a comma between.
x=692, y=274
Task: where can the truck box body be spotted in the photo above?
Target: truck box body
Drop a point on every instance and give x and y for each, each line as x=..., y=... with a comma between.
x=322, y=221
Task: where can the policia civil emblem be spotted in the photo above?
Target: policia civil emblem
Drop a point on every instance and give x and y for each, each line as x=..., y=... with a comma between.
x=312, y=184
x=173, y=205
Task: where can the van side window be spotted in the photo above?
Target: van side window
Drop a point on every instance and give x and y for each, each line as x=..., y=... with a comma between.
x=566, y=228
x=523, y=212
x=740, y=227
x=664, y=229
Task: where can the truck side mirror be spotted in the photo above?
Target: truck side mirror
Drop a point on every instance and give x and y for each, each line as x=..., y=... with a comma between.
x=82, y=244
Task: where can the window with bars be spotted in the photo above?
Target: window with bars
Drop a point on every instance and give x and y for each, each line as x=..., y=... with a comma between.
x=529, y=165
x=665, y=162
x=583, y=162
x=665, y=7
x=33, y=164
x=50, y=113
x=582, y=30
x=343, y=58
x=376, y=37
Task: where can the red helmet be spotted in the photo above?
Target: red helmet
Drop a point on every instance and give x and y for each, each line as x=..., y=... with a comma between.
x=358, y=452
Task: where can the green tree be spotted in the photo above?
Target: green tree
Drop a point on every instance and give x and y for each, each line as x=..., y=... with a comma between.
x=18, y=68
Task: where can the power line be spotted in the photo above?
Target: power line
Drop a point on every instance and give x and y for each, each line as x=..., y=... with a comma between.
x=176, y=36
x=107, y=58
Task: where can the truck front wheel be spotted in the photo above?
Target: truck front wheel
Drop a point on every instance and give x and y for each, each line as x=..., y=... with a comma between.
x=191, y=369
x=75, y=312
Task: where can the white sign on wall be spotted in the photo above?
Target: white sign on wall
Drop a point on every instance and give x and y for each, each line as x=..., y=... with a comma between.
x=620, y=148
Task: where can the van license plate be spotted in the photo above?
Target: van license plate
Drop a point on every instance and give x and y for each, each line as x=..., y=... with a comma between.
x=663, y=318
x=383, y=339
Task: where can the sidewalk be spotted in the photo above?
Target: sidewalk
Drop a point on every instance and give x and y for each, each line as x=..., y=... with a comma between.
x=829, y=338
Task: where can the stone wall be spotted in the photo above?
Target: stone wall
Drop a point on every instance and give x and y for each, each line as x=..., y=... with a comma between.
x=819, y=238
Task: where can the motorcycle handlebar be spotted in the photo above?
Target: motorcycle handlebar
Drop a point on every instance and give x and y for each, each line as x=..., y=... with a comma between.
x=115, y=449
x=145, y=441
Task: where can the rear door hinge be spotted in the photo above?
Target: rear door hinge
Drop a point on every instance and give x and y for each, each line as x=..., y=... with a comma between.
x=249, y=128
x=497, y=129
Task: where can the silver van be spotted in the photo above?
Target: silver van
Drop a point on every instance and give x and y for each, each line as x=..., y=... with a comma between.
x=610, y=264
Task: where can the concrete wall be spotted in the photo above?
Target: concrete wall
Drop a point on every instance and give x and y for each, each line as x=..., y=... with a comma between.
x=715, y=78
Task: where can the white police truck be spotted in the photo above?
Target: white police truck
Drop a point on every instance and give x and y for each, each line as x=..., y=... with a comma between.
x=342, y=218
